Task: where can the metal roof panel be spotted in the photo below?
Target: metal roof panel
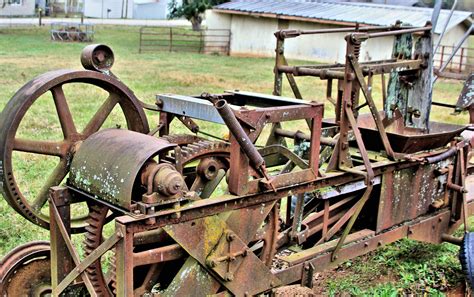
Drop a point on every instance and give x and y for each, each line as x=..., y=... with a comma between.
x=365, y=13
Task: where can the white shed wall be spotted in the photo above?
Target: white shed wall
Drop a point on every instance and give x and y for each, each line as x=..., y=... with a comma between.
x=157, y=10
x=27, y=8
x=254, y=37
x=98, y=8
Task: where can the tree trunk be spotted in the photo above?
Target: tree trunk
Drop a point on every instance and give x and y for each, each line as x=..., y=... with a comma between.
x=196, y=22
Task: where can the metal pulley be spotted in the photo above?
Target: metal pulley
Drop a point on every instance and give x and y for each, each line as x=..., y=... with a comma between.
x=109, y=165
x=97, y=57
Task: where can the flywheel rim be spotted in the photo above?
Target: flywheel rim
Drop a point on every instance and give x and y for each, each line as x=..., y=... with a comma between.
x=34, y=256
x=16, y=109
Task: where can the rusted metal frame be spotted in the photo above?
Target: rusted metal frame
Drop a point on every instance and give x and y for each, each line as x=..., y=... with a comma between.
x=305, y=71
x=298, y=135
x=308, y=253
x=96, y=254
x=369, y=173
x=297, y=216
x=213, y=236
x=124, y=256
x=315, y=144
x=329, y=92
x=278, y=81
x=353, y=213
x=380, y=67
x=292, y=81
x=281, y=113
x=230, y=202
x=158, y=255
x=364, y=36
x=373, y=109
x=189, y=123
x=165, y=121
x=328, y=219
x=239, y=183
x=463, y=189
x=271, y=236
x=323, y=260
x=384, y=88
x=338, y=225
x=61, y=261
x=75, y=256
x=242, y=139
x=449, y=178
x=279, y=149
x=359, y=205
x=151, y=278
x=291, y=33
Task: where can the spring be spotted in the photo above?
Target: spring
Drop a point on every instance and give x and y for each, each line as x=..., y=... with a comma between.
x=357, y=45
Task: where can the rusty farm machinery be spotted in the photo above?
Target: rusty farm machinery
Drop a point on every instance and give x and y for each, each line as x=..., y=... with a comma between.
x=188, y=215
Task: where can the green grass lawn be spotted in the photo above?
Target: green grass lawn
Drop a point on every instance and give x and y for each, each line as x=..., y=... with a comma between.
x=26, y=53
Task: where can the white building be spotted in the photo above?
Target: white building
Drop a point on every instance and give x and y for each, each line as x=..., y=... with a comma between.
x=253, y=22
x=130, y=9
x=18, y=8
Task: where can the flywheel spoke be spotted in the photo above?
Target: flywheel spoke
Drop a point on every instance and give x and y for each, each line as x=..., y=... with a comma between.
x=54, y=179
x=65, y=117
x=101, y=115
x=51, y=148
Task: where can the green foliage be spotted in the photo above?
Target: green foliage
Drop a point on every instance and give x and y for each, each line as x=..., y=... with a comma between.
x=192, y=10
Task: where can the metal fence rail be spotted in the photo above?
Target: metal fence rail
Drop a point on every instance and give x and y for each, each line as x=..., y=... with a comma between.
x=462, y=62
x=154, y=39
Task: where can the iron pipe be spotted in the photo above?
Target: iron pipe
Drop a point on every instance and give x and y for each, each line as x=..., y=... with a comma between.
x=239, y=134
x=451, y=239
x=304, y=71
x=443, y=156
x=303, y=136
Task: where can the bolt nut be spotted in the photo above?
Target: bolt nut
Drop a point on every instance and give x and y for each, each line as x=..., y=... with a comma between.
x=211, y=263
x=229, y=276
x=230, y=236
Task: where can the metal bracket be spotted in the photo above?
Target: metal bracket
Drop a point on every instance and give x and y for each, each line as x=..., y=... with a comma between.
x=307, y=277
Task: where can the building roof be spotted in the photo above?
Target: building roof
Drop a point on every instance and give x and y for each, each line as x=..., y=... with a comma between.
x=344, y=12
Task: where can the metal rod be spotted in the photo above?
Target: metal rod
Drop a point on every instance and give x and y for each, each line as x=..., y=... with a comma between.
x=456, y=48
x=444, y=28
x=435, y=14
x=300, y=135
x=451, y=239
x=391, y=33
x=302, y=71
x=295, y=33
x=242, y=138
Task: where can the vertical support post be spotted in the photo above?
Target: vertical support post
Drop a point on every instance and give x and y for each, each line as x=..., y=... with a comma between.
x=141, y=38
x=384, y=90
x=279, y=61
x=165, y=121
x=201, y=43
x=442, y=57
x=460, y=60
x=239, y=164
x=61, y=260
x=124, y=255
x=315, y=141
x=171, y=39
x=325, y=219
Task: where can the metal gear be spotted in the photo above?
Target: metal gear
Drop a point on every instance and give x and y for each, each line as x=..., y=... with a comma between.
x=105, y=286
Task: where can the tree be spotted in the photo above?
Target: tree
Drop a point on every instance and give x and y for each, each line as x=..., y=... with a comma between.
x=192, y=10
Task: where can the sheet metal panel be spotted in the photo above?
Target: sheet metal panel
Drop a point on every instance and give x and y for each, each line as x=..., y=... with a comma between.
x=364, y=13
